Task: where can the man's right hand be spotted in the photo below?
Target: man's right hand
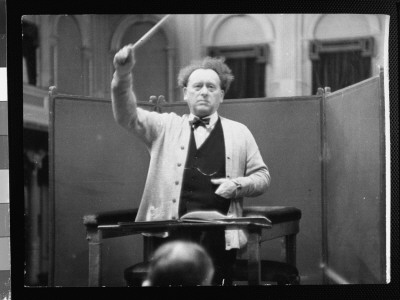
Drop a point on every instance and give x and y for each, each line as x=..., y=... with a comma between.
x=124, y=60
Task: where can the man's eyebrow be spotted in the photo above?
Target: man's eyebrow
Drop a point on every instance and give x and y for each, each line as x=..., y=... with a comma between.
x=207, y=81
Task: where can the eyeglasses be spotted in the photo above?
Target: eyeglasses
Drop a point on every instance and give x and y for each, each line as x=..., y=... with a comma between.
x=201, y=172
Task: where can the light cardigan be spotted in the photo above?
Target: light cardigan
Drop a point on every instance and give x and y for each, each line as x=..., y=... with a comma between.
x=166, y=136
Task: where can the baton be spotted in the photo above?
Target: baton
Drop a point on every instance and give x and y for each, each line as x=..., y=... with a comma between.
x=148, y=34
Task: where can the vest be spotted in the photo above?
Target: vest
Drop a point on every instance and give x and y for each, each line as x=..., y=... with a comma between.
x=198, y=193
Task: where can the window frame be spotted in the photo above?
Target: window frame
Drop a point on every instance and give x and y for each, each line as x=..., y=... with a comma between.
x=259, y=51
x=365, y=44
x=317, y=48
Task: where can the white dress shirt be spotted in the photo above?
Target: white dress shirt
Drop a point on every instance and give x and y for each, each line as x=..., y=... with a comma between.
x=201, y=133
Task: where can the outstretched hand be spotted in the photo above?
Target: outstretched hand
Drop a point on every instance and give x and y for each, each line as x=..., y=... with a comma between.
x=124, y=60
x=226, y=189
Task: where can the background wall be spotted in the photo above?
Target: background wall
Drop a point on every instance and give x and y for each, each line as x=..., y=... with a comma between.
x=91, y=41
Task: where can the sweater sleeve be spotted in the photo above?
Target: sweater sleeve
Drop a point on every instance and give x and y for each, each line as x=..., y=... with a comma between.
x=256, y=179
x=145, y=124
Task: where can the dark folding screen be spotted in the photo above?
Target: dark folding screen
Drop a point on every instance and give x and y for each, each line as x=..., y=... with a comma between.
x=97, y=166
x=355, y=182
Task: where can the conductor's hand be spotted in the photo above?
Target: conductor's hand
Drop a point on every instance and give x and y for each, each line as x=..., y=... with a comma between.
x=124, y=60
x=227, y=188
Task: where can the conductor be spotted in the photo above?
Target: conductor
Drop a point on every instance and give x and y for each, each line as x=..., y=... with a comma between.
x=199, y=161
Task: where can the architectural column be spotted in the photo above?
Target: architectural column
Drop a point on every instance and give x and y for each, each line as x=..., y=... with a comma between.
x=85, y=22
x=87, y=71
x=53, y=58
x=34, y=214
x=101, y=59
x=285, y=57
x=44, y=55
x=171, y=76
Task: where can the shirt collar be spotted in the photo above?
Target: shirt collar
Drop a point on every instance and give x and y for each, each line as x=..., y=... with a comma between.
x=213, y=118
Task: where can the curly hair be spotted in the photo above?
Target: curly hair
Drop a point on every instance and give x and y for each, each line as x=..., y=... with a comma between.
x=214, y=63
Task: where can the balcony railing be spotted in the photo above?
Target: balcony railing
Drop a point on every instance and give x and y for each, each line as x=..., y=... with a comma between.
x=36, y=111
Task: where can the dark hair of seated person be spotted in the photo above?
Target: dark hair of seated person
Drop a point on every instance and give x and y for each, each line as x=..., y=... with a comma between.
x=180, y=263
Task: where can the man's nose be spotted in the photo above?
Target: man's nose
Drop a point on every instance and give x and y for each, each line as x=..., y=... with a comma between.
x=204, y=90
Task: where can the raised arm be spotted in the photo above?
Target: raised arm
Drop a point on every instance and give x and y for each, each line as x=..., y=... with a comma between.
x=144, y=124
x=123, y=98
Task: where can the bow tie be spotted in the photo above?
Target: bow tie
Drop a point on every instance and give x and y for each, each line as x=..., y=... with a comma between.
x=196, y=122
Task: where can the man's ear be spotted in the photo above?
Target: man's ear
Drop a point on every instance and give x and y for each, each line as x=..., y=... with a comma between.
x=222, y=95
x=185, y=93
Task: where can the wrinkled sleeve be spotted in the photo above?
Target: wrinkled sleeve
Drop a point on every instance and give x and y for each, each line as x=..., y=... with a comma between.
x=144, y=124
x=256, y=179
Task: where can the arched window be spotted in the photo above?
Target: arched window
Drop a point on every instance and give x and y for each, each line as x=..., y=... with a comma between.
x=30, y=42
x=341, y=52
x=70, y=77
x=247, y=63
x=240, y=40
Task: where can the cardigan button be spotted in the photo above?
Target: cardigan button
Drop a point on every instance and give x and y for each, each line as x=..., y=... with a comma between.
x=182, y=147
x=177, y=182
x=179, y=164
x=173, y=200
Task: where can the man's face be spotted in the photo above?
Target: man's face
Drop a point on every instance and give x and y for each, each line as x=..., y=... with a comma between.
x=203, y=92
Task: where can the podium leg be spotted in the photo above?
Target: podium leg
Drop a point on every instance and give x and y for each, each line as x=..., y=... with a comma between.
x=290, y=241
x=94, y=240
x=254, y=263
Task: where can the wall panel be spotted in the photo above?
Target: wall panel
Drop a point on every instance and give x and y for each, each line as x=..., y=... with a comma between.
x=98, y=166
x=355, y=198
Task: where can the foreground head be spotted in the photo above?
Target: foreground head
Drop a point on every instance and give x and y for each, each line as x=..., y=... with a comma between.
x=204, y=84
x=180, y=264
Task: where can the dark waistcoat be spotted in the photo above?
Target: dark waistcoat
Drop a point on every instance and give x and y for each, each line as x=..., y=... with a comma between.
x=198, y=193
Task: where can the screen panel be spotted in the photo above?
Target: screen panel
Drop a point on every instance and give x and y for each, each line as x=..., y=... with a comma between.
x=354, y=182
x=98, y=166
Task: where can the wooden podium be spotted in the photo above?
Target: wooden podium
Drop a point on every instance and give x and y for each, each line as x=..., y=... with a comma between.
x=95, y=235
x=263, y=223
